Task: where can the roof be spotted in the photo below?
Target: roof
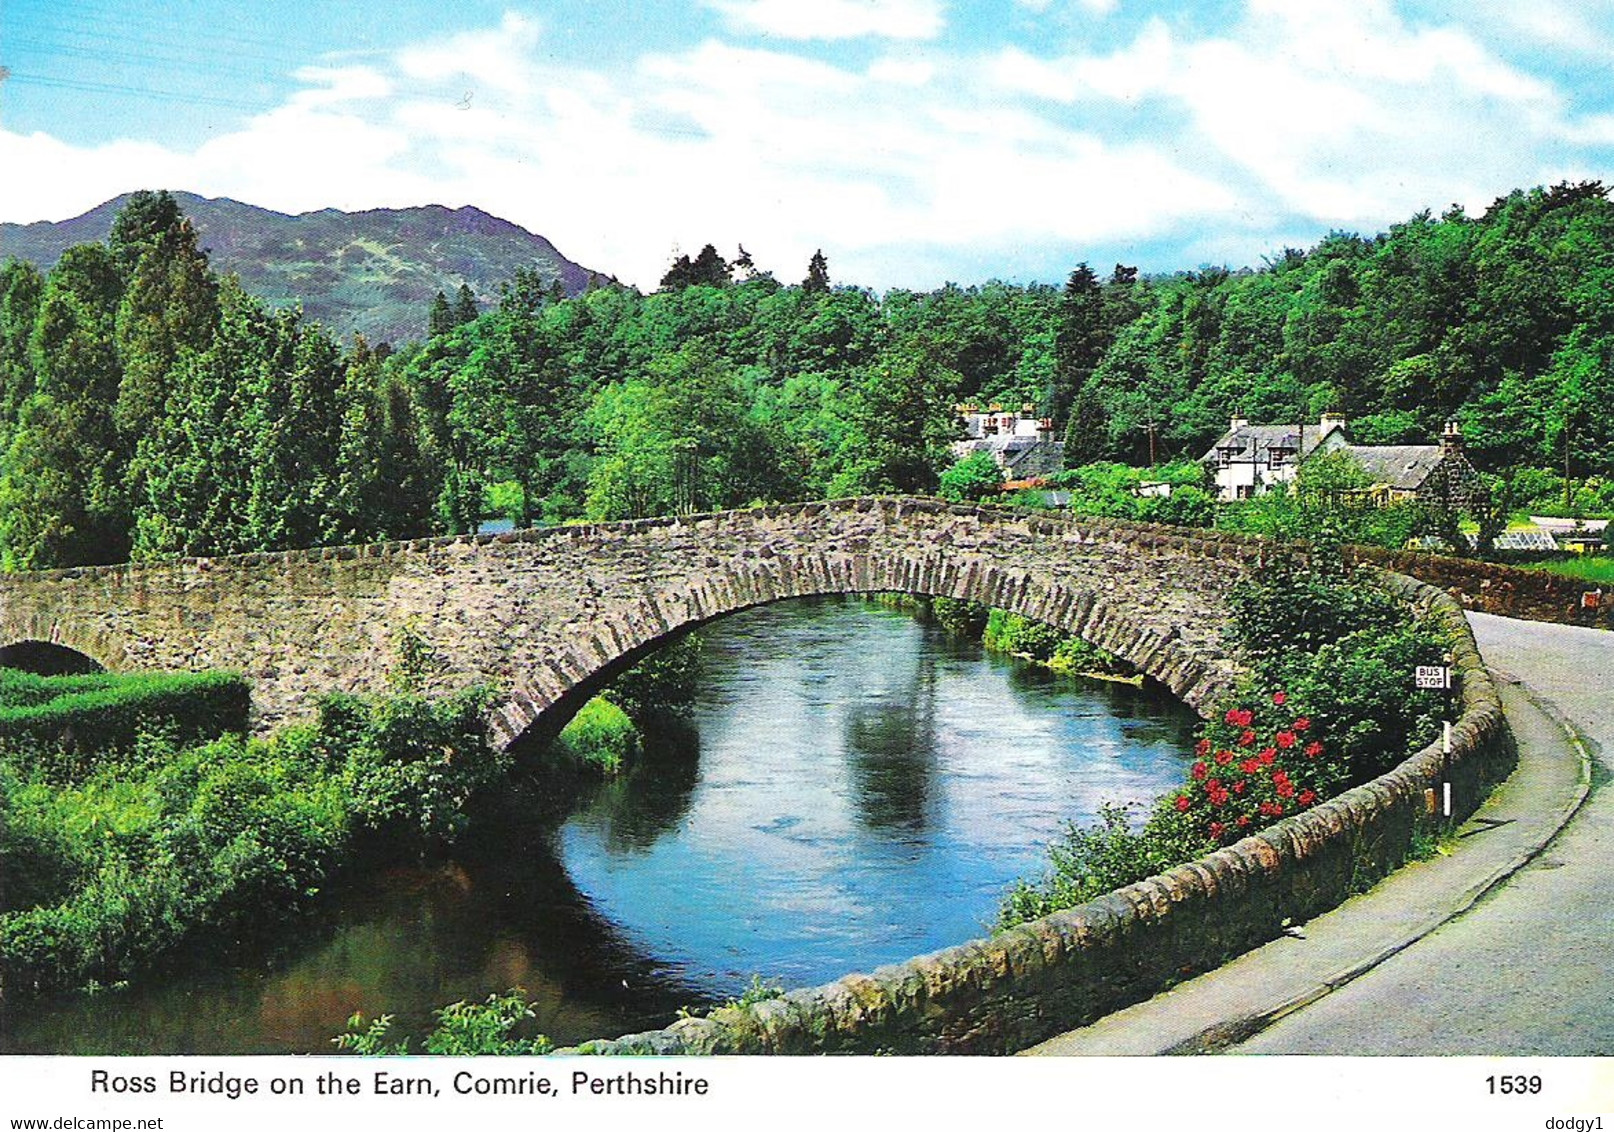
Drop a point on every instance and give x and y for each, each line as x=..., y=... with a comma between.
x=1019, y=456
x=1250, y=442
x=1400, y=466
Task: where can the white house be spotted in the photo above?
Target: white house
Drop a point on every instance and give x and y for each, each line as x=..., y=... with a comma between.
x=1250, y=460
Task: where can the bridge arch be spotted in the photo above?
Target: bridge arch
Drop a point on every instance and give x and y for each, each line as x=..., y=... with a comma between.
x=46, y=658
x=52, y=641
x=537, y=709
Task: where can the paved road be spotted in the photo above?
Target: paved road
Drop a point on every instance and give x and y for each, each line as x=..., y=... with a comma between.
x=1530, y=969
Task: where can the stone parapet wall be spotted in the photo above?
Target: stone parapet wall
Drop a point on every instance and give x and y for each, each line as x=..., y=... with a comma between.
x=1534, y=595
x=1002, y=994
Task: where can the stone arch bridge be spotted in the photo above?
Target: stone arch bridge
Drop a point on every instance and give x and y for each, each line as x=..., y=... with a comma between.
x=549, y=616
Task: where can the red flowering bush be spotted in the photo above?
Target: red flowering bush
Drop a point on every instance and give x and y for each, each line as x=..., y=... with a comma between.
x=1255, y=764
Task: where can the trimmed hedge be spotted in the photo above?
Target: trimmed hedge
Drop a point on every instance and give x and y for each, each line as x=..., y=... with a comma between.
x=64, y=726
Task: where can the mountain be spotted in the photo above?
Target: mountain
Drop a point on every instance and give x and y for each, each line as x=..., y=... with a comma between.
x=372, y=272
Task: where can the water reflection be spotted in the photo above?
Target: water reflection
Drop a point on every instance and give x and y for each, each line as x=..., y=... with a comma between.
x=890, y=740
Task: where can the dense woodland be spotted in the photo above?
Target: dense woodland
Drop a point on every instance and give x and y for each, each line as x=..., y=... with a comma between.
x=150, y=408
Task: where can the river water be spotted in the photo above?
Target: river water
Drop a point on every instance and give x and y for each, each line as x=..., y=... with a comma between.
x=853, y=788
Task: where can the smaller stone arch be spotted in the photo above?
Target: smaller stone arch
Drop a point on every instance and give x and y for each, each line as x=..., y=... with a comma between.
x=42, y=634
x=45, y=658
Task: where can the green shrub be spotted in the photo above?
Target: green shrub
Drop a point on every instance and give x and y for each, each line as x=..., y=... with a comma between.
x=1075, y=655
x=1329, y=703
x=1011, y=633
x=961, y=618
x=66, y=725
x=600, y=738
x=464, y=1029
x=1288, y=611
x=975, y=477
x=222, y=842
x=1095, y=859
x=665, y=682
x=410, y=763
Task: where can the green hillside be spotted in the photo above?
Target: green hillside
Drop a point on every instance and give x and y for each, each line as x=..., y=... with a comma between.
x=373, y=273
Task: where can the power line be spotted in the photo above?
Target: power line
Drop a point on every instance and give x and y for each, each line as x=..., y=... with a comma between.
x=137, y=92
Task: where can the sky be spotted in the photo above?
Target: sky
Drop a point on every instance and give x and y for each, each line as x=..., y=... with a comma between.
x=914, y=141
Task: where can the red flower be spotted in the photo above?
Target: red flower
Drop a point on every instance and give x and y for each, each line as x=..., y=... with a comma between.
x=1267, y=756
x=1280, y=777
x=1286, y=789
x=1279, y=698
x=1244, y=820
x=1217, y=829
x=1246, y=738
x=1277, y=809
x=1286, y=739
x=1223, y=757
x=1182, y=803
x=1200, y=771
x=1313, y=749
x=1238, y=787
x=1202, y=748
x=1240, y=717
x=1302, y=723
x=1250, y=766
x=1307, y=797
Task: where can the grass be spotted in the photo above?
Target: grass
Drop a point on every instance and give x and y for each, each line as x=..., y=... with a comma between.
x=1597, y=568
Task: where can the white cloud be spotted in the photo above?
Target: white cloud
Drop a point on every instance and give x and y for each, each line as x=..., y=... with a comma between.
x=1344, y=114
x=1336, y=109
x=834, y=19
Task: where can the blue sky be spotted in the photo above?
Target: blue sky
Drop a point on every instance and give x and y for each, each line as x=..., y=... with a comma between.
x=915, y=141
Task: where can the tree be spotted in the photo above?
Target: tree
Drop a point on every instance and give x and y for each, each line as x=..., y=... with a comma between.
x=441, y=320
x=905, y=422
x=62, y=494
x=1081, y=337
x=386, y=483
x=194, y=465
x=526, y=292
x=707, y=269
x=21, y=288
x=511, y=408
x=169, y=306
x=677, y=439
x=975, y=477
x=465, y=308
x=817, y=281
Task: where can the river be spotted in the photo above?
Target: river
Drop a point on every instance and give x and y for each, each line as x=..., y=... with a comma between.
x=853, y=787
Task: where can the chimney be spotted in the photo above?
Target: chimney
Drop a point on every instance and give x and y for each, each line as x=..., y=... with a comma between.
x=1237, y=423
x=1451, y=438
x=1329, y=422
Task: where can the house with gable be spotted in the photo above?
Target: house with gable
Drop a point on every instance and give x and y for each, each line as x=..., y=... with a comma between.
x=1021, y=443
x=1249, y=460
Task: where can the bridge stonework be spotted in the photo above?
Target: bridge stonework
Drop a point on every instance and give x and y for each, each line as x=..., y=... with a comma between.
x=548, y=616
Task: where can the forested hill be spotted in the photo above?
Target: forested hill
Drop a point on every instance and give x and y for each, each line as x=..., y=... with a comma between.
x=372, y=272
x=1505, y=320
x=149, y=407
